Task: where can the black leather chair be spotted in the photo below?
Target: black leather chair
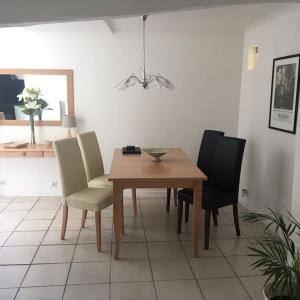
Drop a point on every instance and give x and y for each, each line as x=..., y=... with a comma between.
x=222, y=188
x=205, y=158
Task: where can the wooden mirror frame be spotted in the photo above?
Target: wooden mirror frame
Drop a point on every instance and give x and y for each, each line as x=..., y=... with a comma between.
x=70, y=94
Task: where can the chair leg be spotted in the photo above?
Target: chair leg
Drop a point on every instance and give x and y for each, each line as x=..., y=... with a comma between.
x=64, y=222
x=175, y=197
x=215, y=216
x=134, y=201
x=98, y=229
x=179, y=215
x=83, y=218
x=168, y=199
x=236, y=219
x=186, y=212
x=122, y=212
x=207, y=228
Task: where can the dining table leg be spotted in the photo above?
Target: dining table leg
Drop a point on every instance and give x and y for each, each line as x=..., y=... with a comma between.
x=196, y=216
x=117, y=217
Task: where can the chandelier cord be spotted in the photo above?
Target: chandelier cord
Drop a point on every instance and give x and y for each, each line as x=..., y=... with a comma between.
x=144, y=47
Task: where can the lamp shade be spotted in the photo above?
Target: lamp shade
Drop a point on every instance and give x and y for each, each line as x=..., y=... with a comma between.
x=68, y=121
x=2, y=116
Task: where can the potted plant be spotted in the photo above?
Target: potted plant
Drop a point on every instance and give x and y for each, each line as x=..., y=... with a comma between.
x=32, y=105
x=277, y=254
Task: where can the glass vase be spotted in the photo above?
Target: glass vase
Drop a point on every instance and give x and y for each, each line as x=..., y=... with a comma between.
x=31, y=119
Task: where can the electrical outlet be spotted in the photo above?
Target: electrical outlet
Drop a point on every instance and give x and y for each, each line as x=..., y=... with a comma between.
x=3, y=182
x=54, y=184
x=244, y=193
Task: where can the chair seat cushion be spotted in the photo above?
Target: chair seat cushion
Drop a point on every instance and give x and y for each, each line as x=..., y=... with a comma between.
x=211, y=198
x=100, y=182
x=90, y=198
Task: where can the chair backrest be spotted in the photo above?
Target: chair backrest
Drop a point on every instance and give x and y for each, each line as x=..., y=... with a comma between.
x=91, y=154
x=71, y=168
x=227, y=164
x=207, y=150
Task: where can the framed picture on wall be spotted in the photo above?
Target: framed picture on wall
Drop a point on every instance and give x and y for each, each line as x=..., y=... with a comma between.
x=285, y=94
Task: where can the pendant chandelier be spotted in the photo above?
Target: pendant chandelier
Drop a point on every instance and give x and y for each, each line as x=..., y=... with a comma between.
x=145, y=79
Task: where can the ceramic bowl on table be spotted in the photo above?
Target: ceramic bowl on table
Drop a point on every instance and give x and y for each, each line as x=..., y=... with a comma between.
x=156, y=153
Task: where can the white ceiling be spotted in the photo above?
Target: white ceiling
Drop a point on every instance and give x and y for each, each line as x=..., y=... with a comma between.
x=22, y=12
x=234, y=18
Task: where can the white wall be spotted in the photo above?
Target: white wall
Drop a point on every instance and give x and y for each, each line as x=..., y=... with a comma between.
x=270, y=171
x=204, y=66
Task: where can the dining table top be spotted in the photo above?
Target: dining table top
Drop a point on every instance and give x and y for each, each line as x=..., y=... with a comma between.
x=174, y=165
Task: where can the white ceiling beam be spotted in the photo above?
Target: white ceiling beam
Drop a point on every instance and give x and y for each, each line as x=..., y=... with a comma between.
x=109, y=25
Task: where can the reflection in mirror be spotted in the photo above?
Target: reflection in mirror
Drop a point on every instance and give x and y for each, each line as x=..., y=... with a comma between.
x=53, y=88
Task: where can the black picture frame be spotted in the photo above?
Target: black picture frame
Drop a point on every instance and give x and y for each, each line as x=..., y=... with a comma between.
x=284, y=99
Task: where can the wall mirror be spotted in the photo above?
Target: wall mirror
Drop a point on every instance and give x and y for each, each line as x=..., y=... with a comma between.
x=56, y=87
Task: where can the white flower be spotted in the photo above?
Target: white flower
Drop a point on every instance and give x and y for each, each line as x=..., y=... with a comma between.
x=32, y=105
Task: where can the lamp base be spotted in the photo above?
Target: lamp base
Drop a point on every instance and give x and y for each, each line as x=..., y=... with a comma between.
x=69, y=134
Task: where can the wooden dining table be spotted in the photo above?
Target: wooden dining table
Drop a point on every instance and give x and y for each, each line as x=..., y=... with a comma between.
x=176, y=170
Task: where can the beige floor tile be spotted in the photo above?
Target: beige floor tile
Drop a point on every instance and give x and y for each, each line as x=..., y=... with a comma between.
x=212, y=251
x=134, y=222
x=223, y=289
x=254, y=286
x=12, y=215
x=25, y=238
x=211, y=267
x=87, y=292
x=3, y=237
x=159, y=221
x=19, y=206
x=88, y=252
x=25, y=199
x=6, y=226
x=40, y=205
x=130, y=270
x=89, y=272
x=165, y=250
x=178, y=290
x=53, y=238
x=13, y=276
x=242, y=265
x=133, y=236
x=32, y=225
x=48, y=214
x=50, y=199
x=38, y=293
x=234, y=246
x=171, y=269
x=253, y=230
x=106, y=223
x=161, y=234
x=88, y=236
x=224, y=232
x=17, y=255
x=8, y=294
x=133, y=290
x=72, y=224
x=6, y=199
x=46, y=275
x=132, y=250
x=54, y=254
x=73, y=213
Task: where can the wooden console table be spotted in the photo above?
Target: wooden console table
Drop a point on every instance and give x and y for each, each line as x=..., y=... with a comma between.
x=39, y=150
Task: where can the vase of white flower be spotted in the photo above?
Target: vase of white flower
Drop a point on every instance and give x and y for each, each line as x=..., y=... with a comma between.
x=32, y=105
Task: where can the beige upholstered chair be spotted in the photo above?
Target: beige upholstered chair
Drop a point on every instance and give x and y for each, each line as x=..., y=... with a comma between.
x=93, y=163
x=76, y=192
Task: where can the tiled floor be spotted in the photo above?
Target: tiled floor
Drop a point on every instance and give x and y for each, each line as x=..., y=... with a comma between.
x=156, y=264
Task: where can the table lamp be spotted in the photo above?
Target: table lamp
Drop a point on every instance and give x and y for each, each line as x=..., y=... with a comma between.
x=2, y=116
x=69, y=122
